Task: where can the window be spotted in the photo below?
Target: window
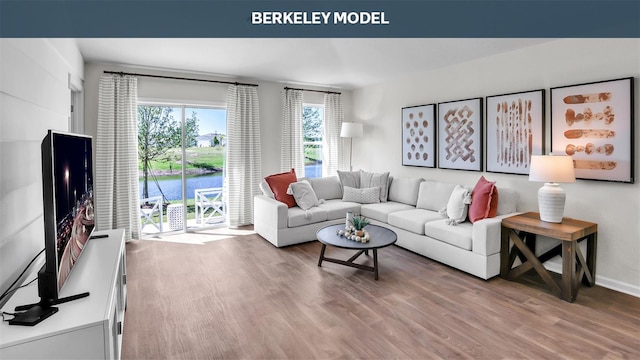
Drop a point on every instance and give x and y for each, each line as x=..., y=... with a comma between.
x=313, y=129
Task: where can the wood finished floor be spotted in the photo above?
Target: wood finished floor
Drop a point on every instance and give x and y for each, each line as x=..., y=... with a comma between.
x=242, y=298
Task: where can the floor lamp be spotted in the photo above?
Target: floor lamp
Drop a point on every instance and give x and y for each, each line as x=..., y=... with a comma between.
x=351, y=130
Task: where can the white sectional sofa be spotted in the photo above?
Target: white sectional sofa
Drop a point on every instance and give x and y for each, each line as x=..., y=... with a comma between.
x=413, y=210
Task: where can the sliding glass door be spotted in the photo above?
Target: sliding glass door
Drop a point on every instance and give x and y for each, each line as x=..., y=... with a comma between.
x=205, y=158
x=181, y=153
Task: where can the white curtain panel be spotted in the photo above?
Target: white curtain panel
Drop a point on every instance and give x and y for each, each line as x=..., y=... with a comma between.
x=292, y=150
x=117, y=195
x=243, y=153
x=333, y=118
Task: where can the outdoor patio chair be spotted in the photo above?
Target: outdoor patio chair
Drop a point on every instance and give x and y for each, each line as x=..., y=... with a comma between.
x=148, y=208
x=209, y=206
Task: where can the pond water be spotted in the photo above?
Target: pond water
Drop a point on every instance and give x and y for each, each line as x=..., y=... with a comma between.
x=172, y=185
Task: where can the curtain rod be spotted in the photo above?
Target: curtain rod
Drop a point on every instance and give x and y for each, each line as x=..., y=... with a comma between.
x=320, y=91
x=177, y=78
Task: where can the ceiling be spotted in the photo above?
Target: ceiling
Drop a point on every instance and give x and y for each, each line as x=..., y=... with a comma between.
x=336, y=63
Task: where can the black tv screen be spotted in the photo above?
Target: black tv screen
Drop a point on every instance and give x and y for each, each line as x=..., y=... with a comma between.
x=67, y=171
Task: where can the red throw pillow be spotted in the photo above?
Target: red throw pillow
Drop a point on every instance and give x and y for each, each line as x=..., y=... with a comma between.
x=484, y=200
x=279, y=183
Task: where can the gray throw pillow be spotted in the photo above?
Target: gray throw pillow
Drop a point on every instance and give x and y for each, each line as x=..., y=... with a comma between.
x=369, y=179
x=303, y=194
x=362, y=196
x=349, y=178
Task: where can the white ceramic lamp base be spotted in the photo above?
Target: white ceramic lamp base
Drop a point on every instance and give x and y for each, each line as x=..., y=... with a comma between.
x=551, y=199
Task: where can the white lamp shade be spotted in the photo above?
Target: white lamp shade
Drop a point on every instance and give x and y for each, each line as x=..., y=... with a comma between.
x=351, y=130
x=552, y=169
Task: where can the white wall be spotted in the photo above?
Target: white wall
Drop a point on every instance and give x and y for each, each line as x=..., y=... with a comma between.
x=193, y=92
x=34, y=97
x=615, y=207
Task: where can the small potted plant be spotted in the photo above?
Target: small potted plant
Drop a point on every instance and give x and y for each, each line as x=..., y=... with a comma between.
x=359, y=222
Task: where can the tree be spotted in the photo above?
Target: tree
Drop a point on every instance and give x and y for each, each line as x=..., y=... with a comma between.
x=191, y=130
x=312, y=120
x=311, y=123
x=159, y=131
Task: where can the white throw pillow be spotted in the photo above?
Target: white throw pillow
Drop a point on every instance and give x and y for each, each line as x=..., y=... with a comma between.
x=362, y=196
x=458, y=205
x=266, y=190
x=303, y=194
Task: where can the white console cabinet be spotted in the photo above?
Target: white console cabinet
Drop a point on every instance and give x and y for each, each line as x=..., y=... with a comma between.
x=87, y=328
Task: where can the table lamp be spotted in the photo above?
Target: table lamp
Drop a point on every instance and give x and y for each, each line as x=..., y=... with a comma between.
x=351, y=130
x=551, y=169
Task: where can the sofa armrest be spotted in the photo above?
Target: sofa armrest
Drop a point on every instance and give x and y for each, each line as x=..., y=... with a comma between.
x=486, y=238
x=269, y=212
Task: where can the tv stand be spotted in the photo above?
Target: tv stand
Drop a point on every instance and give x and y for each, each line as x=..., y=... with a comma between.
x=89, y=327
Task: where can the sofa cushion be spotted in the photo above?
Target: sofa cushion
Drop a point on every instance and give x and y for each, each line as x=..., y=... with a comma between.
x=434, y=195
x=507, y=201
x=303, y=194
x=362, y=196
x=413, y=220
x=381, y=211
x=349, y=178
x=337, y=209
x=327, y=187
x=298, y=217
x=405, y=190
x=484, y=200
x=369, y=180
x=459, y=236
x=279, y=183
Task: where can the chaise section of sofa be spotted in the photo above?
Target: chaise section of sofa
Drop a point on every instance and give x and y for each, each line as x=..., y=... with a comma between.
x=283, y=226
x=470, y=247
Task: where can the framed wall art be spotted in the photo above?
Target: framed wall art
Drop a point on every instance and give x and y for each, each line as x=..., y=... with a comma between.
x=460, y=134
x=419, y=135
x=514, y=131
x=593, y=122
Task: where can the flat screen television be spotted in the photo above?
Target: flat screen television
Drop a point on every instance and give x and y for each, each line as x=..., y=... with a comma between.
x=67, y=186
x=69, y=219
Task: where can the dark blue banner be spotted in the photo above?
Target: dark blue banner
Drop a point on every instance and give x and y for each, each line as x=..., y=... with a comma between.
x=255, y=19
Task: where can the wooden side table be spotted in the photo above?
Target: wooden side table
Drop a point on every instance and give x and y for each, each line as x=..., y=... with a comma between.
x=522, y=231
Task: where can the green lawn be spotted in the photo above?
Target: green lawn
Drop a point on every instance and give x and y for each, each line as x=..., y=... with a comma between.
x=312, y=153
x=208, y=158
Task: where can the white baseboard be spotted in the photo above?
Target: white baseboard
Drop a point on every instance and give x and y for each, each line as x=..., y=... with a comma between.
x=618, y=286
x=600, y=280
